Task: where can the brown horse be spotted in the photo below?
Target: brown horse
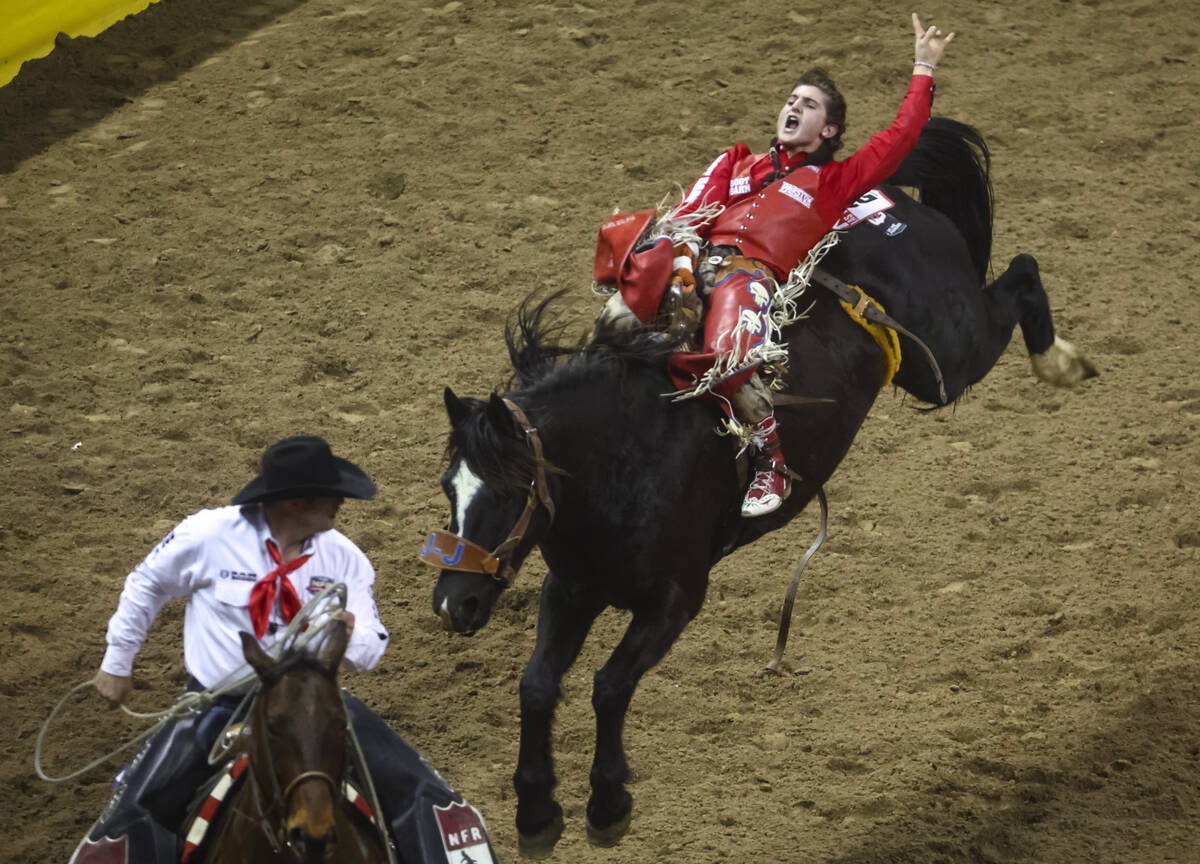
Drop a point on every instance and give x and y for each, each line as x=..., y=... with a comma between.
x=289, y=805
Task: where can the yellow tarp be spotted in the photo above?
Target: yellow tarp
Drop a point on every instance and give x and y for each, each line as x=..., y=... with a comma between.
x=28, y=27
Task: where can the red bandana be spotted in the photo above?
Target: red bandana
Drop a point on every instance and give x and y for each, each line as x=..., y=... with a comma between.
x=262, y=596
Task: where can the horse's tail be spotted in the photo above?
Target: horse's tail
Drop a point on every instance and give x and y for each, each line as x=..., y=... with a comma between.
x=951, y=169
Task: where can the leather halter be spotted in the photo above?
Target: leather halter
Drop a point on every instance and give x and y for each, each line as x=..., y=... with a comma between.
x=448, y=551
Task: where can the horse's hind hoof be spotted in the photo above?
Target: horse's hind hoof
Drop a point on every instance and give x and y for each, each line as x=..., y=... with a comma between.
x=610, y=836
x=541, y=844
x=1062, y=364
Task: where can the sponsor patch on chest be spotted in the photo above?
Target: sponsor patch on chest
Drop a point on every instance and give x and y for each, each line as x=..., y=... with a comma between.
x=317, y=584
x=794, y=192
x=239, y=575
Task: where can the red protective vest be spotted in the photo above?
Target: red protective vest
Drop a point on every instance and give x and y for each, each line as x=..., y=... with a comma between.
x=778, y=225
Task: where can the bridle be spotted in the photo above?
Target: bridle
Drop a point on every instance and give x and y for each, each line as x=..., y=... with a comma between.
x=277, y=833
x=308, y=775
x=448, y=551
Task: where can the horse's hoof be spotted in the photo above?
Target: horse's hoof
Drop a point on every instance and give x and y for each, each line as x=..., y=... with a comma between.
x=774, y=669
x=1062, y=364
x=541, y=844
x=610, y=836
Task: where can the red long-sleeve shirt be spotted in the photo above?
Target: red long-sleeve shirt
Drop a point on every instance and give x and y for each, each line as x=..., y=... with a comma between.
x=781, y=223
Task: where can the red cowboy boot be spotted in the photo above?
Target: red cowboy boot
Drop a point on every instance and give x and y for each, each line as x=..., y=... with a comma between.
x=771, y=484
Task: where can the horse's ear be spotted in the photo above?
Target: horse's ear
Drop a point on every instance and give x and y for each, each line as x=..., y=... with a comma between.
x=260, y=661
x=500, y=417
x=337, y=634
x=455, y=408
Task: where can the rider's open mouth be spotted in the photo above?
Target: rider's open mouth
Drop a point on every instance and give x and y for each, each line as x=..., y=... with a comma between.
x=791, y=123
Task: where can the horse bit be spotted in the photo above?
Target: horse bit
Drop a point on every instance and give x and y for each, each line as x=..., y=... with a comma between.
x=470, y=557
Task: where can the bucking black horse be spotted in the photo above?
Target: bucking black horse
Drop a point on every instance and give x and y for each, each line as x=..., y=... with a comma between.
x=631, y=497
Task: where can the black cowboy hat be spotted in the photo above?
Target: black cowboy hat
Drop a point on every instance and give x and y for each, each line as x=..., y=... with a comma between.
x=303, y=466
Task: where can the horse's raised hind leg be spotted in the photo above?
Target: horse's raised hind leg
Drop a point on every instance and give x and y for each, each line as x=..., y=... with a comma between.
x=562, y=626
x=1054, y=359
x=649, y=636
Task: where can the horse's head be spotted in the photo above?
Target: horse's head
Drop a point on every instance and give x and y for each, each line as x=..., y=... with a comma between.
x=494, y=482
x=298, y=741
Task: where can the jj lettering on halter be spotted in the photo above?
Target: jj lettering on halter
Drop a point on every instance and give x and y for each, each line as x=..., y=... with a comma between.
x=262, y=595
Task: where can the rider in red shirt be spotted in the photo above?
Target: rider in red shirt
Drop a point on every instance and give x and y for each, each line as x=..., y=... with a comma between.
x=776, y=207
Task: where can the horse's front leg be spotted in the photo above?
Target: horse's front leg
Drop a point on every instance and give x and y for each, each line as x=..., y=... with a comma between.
x=563, y=623
x=650, y=635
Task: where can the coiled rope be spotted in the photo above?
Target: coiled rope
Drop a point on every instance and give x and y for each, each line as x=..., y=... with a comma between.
x=308, y=624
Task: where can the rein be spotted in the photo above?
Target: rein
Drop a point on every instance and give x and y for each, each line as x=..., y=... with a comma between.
x=469, y=557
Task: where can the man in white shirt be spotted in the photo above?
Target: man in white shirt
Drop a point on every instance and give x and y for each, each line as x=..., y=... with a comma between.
x=219, y=559
x=250, y=567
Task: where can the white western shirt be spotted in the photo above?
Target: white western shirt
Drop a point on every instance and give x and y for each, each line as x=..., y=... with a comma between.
x=213, y=558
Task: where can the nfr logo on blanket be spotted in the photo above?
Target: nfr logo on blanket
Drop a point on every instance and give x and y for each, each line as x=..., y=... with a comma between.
x=464, y=836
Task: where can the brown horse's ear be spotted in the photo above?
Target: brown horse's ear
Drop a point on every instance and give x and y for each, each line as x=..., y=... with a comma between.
x=260, y=661
x=336, y=637
x=455, y=408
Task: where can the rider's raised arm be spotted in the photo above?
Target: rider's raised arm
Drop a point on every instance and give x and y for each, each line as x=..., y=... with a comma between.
x=843, y=182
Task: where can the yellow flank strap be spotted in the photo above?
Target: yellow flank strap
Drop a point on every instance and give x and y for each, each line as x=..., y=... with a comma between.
x=885, y=337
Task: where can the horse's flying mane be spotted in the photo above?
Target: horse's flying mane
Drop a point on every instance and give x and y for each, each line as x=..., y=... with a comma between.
x=535, y=346
x=545, y=366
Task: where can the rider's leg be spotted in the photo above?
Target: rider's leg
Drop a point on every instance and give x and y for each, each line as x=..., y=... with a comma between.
x=153, y=792
x=770, y=486
x=428, y=820
x=149, y=801
x=736, y=329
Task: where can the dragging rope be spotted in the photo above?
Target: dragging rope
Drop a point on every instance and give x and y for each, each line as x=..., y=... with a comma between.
x=775, y=667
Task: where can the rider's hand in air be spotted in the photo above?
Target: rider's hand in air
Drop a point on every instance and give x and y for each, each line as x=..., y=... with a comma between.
x=930, y=43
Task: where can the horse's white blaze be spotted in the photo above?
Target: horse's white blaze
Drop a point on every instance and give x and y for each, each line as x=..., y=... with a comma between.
x=466, y=486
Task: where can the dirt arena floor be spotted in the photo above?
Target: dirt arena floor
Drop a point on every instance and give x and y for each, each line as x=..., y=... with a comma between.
x=225, y=223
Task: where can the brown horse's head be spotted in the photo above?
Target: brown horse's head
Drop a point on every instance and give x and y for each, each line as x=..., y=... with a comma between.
x=298, y=741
